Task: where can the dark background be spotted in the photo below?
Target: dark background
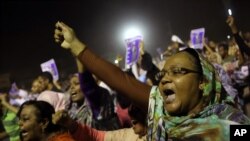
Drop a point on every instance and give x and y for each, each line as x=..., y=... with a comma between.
x=27, y=27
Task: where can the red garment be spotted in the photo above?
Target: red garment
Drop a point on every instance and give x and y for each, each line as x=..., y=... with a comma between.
x=123, y=116
x=65, y=136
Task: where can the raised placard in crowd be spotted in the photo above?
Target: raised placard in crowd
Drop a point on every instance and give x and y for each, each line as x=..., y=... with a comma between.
x=50, y=66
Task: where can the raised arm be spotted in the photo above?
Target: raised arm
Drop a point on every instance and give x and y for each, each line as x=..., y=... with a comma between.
x=107, y=72
x=78, y=131
x=242, y=45
x=6, y=104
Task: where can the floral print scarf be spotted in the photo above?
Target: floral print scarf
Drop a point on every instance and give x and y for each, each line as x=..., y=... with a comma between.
x=211, y=124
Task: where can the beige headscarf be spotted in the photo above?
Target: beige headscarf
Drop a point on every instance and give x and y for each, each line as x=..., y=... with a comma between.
x=58, y=100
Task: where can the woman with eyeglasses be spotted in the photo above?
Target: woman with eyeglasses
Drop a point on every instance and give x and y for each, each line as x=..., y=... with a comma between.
x=188, y=104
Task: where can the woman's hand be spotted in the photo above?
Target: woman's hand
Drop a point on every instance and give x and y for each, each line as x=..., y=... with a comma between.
x=231, y=23
x=65, y=35
x=62, y=118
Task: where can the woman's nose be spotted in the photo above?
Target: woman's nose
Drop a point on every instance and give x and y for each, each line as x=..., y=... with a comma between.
x=20, y=123
x=166, y=79
x=72, y=87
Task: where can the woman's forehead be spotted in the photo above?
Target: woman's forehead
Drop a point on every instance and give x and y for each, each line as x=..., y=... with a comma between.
x=181, y=59
x=74, y=79
x=28, y=109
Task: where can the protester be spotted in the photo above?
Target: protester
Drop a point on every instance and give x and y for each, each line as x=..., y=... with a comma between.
x=35, y=121
x=48, y=83
x=241, y=76
x=189, y=94
x=91, y=104
x=8, y=120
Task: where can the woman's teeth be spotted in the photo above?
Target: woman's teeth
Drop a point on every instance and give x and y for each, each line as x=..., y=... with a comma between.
x=24, y=133
x=170, y=98
x=73, y=93
x=169, y=95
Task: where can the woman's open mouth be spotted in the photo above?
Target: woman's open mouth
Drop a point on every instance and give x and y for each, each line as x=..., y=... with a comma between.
x=73, y=94
x=169, y=96
x=24, y=133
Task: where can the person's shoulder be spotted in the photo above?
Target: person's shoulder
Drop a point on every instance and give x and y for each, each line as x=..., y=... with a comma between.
x=229, y=112
x=61, y=136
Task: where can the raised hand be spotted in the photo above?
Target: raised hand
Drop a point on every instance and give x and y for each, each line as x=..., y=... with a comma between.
x=61, y=117
x=231, y=23
x=65, y=35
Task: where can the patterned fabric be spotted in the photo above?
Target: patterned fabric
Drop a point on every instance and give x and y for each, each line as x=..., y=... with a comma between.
x=228, y=84
x=10, y=124
x=211, y=124
x=101, y=103
x=81, y=114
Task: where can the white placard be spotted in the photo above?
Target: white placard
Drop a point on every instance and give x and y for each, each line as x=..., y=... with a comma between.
x=50, y=66
x=197, y=37
x=132, y=50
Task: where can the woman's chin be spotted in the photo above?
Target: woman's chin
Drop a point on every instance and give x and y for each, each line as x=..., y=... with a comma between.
x=172, y=109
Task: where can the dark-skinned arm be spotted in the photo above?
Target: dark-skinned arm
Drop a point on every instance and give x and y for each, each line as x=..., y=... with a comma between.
x=116, y=78
x=106, y=71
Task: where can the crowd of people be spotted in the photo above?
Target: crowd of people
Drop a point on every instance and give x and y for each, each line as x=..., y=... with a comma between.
x=188, y=94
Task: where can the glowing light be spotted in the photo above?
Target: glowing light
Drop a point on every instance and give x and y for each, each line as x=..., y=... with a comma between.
x=132, y=32
x=116, y=61
x=230, y=12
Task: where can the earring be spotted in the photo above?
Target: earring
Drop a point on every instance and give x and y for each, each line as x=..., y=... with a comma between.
x=201, y=86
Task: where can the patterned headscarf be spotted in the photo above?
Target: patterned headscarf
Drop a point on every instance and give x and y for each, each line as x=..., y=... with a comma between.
x=212, y=87
x=212, y=123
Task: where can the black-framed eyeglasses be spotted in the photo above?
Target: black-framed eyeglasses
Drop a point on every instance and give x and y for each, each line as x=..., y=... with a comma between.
x=174, y=72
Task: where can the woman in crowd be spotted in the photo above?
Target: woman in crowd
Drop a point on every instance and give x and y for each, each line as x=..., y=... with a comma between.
x=189, y=102
x=35, y=121
x=241, y=78
x=91, y=104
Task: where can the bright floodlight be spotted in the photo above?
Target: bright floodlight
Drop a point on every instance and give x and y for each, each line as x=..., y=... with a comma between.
x=230, y=12
x=132, y=32
x=116, y=61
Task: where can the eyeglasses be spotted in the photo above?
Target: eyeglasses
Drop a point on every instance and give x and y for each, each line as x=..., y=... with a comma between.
x=134, y=122
x=174, y=72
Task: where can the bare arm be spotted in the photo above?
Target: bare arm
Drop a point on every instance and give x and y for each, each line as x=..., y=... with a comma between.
x=78, y=131
x=3, y=135
x=6, y=104
x=207, y=47
x=242, y=45
x=107, y=72
x=116, y=78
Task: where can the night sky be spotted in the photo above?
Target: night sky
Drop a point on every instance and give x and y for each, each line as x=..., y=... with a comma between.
x=27, y=27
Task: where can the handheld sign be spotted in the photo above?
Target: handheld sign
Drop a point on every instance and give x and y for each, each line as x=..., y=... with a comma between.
x=132, y=50
x=50, y=66
x=197, y=37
